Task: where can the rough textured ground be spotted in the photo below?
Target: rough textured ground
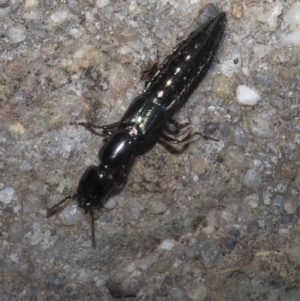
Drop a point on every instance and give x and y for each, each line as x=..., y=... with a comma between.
x=218, y=221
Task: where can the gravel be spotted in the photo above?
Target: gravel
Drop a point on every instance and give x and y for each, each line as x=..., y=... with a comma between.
x=188, y=225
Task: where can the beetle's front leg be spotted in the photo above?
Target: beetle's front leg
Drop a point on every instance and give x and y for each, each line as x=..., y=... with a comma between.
x=106, y=129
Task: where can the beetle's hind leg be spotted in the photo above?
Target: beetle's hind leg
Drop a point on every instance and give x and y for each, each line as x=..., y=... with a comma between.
x=107, y=129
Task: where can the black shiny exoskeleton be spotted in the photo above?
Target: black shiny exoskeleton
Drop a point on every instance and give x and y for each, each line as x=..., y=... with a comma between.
x=164, y=94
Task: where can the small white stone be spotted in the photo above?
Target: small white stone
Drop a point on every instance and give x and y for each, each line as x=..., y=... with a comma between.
x=6, y=195
x=59, y=17
x=167, y=244
x=246, y=96
x=110, y=203
x=16, y=34
x=102, y=3
x=71, y=215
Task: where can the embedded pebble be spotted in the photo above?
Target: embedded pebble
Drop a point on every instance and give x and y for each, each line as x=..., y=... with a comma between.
x=252, y=179
x=292, y=15
x=230, y=243
x=235, y=158
x=162, y=265
x=196, y=291
x=39, y=30
x=286, y=170
x=4, y=12
x=186, y=268
x=223, y=87
x=260, y=127
x=263, y=79
x=146, y=262
x=59, y=17
x=277, y=205
x=292, y=38
x=277, y=103
x=198, y=166
x=110, y=203
x=246, y=96
x=25, y=166
x=242, y=217
x=15, y=5
x=167, y=244
x=235, y=232
x=102, y=3
x=16, y=34
x=6, y=195
x=32, y=201
x=157, y=207
x=287, y=218
x=3, y=160
x=270, y=13
x=32, y=15
x=16, y=231
x=210, y=252
x=292, y=20
x=54, y=282
x=71, y=215
x=30, y=4
x=176, y=293
x=290, y=207
x=210, y=128
x=237, y=10
x=240, y=137
x=297, y=182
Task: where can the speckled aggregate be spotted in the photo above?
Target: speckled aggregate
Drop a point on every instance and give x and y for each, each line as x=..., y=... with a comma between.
x=193, y=225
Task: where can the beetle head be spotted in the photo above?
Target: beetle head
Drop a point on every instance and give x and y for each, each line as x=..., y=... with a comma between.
x=94, y=187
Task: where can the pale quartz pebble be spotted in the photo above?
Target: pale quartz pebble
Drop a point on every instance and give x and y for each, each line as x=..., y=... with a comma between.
x=252, y=179
x=59, y=17
x=102, y=3
x=7, y=195
x=291, y=39
x=157, y=206
x=167, y=244
x=270, y=14
x=71, y=215
x=110, y=203
x=246, y=96
x=292, y=16
x=16, y=34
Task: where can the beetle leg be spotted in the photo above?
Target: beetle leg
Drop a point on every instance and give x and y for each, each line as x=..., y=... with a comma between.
x=93, y=227
x=106, y=129
x=171, y=140
x=174, y=127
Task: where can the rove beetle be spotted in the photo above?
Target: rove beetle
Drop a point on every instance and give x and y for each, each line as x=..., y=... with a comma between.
x=148, y=115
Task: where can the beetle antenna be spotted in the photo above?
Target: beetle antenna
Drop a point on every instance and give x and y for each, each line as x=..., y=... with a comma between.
x=52, y=210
